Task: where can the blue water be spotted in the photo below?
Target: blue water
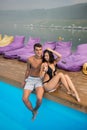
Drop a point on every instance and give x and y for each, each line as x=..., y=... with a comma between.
x=14, y=115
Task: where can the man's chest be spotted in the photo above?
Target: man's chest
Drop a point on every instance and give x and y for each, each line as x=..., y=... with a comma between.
x=36, y=64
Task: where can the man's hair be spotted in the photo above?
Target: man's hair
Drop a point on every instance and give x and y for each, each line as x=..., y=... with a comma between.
x=37, y=45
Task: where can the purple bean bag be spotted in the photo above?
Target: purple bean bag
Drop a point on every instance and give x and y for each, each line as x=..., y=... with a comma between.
x=73, y=62
x=28, y=48
x=25, y=56
x=81, y=49
x=64, y=48
x=17, y=43
x=49, y=44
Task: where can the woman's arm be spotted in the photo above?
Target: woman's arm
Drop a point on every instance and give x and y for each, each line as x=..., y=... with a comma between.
x=43, y=70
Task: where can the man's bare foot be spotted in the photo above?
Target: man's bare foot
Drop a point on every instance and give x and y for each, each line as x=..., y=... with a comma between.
x=34, y=115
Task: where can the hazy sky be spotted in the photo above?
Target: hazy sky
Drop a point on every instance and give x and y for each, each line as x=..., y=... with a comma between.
x=36, y=4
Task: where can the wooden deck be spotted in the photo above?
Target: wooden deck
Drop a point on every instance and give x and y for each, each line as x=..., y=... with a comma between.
x=12, y=71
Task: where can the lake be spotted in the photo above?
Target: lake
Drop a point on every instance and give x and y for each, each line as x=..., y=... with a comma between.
x=46, y=34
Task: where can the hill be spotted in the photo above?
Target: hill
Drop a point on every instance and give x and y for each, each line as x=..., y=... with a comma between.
x=78, y=11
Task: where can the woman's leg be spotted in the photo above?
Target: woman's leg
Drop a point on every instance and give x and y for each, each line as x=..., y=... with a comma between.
x=63, y=81
x=72, y=87
x=53, y=83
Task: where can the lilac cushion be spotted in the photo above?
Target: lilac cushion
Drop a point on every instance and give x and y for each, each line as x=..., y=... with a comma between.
x=64, y=48
x=28, y=48
x=32, y=41
x=17, y=43
x=24, y=57
x=73, y=62
x=49, y=44
x=81, y=49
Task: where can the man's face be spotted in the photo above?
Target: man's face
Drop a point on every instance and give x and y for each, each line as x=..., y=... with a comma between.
x=38, y=51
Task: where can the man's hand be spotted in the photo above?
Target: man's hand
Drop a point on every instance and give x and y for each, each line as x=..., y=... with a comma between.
x=23, y=84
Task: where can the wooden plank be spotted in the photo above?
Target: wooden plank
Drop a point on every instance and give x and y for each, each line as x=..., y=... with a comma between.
x=12, y=71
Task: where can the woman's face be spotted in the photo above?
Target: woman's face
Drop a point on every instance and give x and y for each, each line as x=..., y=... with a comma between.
x=46, y=57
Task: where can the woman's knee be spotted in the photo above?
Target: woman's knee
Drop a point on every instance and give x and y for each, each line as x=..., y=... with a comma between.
x=66, y=76
x=60, y=74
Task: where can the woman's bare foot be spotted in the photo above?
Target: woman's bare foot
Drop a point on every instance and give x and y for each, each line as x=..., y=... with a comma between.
x=74, y=95
x=78, y=98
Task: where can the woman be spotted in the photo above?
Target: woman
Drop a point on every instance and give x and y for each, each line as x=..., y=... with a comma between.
x=51, y=78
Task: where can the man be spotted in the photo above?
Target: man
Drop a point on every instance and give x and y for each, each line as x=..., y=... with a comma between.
x=32, y=80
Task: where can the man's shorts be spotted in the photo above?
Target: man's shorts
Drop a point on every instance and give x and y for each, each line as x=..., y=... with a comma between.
x=33, y=82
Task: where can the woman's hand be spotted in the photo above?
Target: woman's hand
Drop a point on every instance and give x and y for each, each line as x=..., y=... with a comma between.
x=45, y=67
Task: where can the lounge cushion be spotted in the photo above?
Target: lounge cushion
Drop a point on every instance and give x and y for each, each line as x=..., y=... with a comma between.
x=73, y=62
x=17, y=43
x=49, y=44
x=81, y=49
x=64, y=48
x=28, y=48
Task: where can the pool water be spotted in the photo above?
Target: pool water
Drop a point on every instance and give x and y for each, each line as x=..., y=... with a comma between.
x=51, y=115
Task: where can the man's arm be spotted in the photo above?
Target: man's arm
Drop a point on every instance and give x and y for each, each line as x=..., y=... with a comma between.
x=26, y=73
x=27, y=70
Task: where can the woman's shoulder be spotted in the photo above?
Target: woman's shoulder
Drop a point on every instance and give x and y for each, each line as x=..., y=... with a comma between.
x=55, y=62
x=30, y=59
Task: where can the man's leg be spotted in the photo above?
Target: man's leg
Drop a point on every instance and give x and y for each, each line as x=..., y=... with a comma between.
x=25, y=99
x=39, y=93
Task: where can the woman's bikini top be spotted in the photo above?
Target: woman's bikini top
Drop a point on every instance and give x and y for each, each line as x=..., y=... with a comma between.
x=51, y=73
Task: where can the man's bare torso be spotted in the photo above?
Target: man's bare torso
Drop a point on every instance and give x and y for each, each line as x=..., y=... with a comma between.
x=35, y=64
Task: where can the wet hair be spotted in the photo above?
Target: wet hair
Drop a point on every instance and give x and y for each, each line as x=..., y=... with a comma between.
x=51, y=56
x=37, y=45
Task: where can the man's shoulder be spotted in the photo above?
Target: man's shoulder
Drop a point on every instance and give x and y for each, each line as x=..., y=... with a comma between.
x=30, y=58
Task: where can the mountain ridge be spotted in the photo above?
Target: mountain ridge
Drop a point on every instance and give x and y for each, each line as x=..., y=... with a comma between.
x=77, y=11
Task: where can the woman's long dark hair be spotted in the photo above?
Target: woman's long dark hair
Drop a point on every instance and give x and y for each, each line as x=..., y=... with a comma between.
x=51, y=56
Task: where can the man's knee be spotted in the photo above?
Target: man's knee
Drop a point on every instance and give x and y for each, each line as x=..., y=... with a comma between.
x=24, y=99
